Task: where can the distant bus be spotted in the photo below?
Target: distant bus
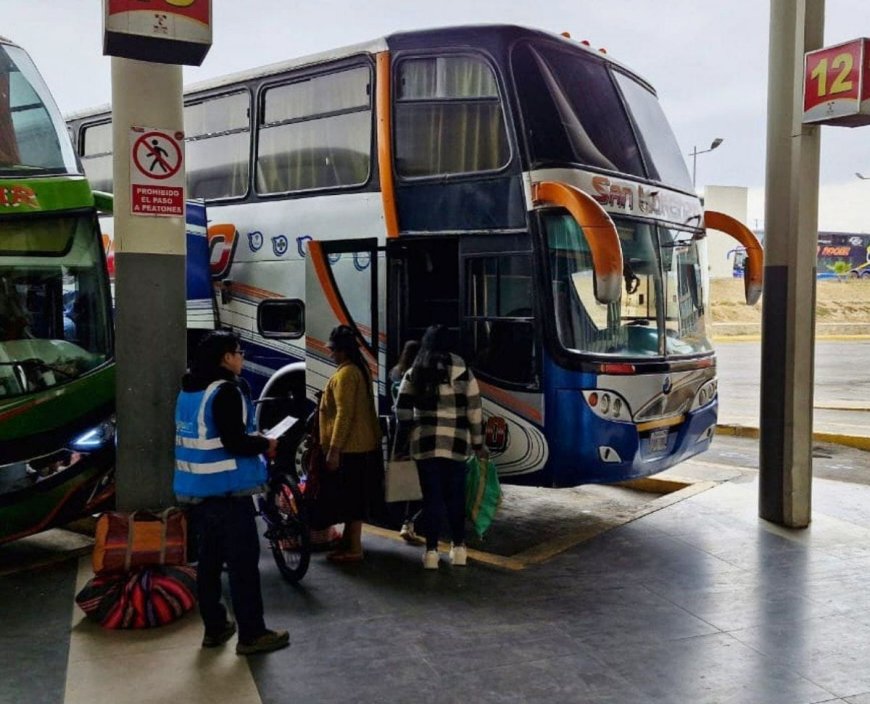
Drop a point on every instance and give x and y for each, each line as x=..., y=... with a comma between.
x=838, y=255
x=843, y=254
x=515, y=186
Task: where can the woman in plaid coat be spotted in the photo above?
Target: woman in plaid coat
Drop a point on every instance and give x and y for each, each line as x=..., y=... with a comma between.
x=441, y=424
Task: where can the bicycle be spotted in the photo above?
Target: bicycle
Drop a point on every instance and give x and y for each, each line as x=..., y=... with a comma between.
x=283, y=509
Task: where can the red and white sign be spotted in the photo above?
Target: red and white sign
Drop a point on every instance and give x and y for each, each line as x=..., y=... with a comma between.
x=165, y=31
x=156, y=176
x=837, y=85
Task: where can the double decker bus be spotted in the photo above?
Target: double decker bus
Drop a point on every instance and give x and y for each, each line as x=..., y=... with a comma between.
x=516, y=186
x=56, y=360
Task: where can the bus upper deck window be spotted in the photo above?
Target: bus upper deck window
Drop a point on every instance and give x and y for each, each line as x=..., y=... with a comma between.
x=316, y=133
x=217, y=133
x=448, y=117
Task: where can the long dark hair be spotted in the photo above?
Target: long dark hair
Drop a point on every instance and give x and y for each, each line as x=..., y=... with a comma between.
x=406, y=359
x=343, y=339
x=430, y=368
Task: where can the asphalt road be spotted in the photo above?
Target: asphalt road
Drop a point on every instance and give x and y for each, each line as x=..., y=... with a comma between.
x=841, y=390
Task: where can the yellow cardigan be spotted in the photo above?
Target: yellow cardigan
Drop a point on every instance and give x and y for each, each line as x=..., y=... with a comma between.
x=348, y=421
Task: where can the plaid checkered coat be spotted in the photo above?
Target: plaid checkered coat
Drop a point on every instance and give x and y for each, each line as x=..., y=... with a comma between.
x=449, y=424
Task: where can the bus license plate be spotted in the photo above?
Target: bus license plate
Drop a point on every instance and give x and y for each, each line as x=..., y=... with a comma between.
x=658, y=440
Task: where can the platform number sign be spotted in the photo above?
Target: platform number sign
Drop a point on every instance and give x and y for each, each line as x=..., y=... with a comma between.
x=837, y=85
x=156, y=173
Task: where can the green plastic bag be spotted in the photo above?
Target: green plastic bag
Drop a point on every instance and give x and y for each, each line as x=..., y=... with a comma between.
x=482, y=493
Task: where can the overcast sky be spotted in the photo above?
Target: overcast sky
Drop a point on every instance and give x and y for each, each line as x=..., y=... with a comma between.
x=706, y=58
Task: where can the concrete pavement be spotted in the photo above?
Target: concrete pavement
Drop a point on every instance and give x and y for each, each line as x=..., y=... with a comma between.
x=841, y=394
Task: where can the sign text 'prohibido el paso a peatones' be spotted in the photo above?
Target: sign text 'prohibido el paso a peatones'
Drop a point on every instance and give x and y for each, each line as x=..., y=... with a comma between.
x=156, y=176
x=165, y=31
x=837, y=85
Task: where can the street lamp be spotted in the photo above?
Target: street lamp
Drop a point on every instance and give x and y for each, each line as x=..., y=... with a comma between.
x=694, y=154
x=862, y=176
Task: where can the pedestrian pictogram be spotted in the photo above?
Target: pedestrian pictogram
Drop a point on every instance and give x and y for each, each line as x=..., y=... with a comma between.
x=157, y=155
x=156, y=176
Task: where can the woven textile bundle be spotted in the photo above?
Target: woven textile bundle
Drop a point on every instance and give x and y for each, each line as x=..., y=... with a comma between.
x=145, y=597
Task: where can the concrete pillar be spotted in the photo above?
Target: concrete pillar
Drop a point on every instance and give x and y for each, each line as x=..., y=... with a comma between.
x=150, y=314
x=790, y=236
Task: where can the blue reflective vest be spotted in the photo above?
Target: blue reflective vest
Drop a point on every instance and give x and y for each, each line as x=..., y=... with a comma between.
x=203, y=467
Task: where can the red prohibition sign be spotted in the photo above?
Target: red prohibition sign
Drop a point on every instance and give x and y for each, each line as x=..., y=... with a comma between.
x=160, y=165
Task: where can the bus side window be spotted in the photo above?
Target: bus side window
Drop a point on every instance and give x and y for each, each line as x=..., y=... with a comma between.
x=96, y=154
x=281, y=318
x=316, y=133
x=218, y=142
x=448, y=117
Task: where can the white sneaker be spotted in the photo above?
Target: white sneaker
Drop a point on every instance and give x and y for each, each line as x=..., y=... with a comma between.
x=458, y=556
x=409, y=536
x=430, y=560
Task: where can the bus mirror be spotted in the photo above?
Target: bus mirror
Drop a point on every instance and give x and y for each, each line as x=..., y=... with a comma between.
x=753, y=270
x=226, y=291
x=599, y=230
x=104, y=202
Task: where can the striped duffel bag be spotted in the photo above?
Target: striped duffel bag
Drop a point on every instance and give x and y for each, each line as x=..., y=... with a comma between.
x=123, y=541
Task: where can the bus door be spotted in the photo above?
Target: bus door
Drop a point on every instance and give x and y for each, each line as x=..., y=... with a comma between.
x=341, y=288
x=422, y=289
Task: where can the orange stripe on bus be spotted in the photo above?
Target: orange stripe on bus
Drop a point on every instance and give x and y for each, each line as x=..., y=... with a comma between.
x=252, y=291
x=385, y=144
x=510, y=401
x=17, y=411
x=318, y=259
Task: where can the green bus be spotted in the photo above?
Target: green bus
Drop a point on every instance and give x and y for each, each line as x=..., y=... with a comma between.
x=57, y=368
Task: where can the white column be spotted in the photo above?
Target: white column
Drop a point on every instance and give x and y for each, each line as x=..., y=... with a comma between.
x=790, y=239
x=150, y=296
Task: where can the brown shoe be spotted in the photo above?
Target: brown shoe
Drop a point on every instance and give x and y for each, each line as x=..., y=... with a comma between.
x=213, y=640
x=266, y=643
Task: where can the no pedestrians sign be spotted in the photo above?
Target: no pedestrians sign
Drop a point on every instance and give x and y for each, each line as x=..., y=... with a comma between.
x=156, y=176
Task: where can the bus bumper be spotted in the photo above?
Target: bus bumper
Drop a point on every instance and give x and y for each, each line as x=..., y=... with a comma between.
x=604, y=452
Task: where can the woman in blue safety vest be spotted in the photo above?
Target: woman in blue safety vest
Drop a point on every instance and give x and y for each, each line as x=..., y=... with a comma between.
x=218, y=468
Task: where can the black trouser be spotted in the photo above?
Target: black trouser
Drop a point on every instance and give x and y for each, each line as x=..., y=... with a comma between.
x=442, y=481
x=227, y=531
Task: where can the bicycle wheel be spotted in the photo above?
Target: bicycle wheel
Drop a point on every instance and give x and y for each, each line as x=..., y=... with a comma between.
x=288, y=533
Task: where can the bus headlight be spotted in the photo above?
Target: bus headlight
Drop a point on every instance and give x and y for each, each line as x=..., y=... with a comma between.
x=95, y=438
x=608, y=405
x=705, y=394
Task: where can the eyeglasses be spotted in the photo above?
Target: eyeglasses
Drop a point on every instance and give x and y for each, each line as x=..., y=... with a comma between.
x=241, y=353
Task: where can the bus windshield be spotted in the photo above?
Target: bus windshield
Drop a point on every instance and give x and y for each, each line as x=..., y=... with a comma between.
x=661, y=311
x=54, y=307
x=578, y=110
x=33, y=138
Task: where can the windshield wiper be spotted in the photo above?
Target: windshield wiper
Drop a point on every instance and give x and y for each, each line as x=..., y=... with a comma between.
x=39, y=364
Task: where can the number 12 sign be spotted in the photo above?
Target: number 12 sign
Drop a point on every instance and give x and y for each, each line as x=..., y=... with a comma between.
x=837, y=85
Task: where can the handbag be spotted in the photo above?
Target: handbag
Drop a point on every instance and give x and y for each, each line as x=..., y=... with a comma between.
x=482, y=493
x=401, y=480
x=124, y=541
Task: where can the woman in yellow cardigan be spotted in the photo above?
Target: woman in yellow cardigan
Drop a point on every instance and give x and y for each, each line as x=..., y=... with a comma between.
x=351, y=439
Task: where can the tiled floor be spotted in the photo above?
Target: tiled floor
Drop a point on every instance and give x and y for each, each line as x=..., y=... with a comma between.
x=699, y=602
